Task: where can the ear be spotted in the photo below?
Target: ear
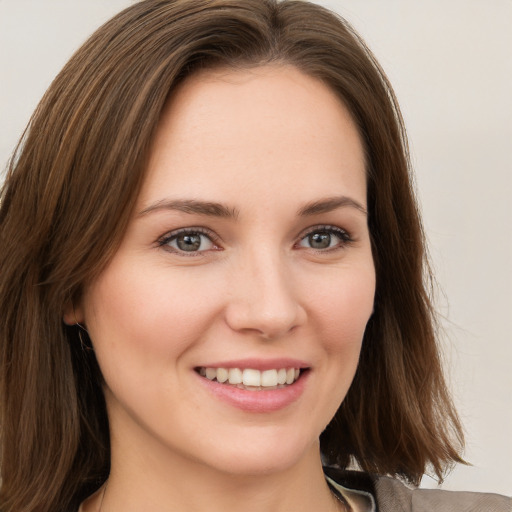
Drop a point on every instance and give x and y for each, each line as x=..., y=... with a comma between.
x=72, y=314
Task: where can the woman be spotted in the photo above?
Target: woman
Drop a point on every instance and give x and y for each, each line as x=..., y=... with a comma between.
x=213, y=276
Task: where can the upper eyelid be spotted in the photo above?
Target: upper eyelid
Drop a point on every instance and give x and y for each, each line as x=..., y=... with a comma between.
x=325, y=227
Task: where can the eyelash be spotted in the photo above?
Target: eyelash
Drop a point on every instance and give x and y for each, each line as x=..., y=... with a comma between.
x=173, y=235
x=343, y=235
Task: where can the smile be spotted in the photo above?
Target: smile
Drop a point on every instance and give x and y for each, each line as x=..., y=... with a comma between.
x=252, y=379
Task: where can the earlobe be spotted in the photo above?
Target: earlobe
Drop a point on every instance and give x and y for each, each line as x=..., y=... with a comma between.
x=72, y=315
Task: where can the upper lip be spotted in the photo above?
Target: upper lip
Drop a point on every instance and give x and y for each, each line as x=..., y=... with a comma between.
x=258, y=364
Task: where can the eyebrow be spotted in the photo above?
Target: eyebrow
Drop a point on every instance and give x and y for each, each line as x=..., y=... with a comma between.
x=213, y=209
x=192, y=206
x=329, y=204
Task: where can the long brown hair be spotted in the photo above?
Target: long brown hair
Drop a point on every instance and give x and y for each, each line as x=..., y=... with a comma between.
x=67, y=199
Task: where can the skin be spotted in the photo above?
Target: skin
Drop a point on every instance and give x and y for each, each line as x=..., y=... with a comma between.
x=266, y=143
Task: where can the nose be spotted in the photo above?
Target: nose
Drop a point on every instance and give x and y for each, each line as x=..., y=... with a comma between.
x=263, y=298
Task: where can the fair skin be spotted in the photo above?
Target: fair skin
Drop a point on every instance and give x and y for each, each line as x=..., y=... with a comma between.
x=248, y=249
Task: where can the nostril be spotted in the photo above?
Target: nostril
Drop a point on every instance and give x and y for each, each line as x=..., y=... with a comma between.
x=267, y=323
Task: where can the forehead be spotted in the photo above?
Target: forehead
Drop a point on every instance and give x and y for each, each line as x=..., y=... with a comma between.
x=271, y=126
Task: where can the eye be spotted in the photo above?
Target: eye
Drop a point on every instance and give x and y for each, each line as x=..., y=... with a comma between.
x=324, y=238
x=188, y=241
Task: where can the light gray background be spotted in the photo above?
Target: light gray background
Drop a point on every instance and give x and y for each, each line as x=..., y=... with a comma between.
x=451, y=65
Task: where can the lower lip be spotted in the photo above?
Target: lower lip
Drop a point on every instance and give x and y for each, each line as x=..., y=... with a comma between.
x=257, y=401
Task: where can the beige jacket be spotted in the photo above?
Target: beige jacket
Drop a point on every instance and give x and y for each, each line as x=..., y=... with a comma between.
x=393, y=496
x=384, y=494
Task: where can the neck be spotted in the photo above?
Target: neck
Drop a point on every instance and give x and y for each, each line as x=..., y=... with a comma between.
x=186, y=485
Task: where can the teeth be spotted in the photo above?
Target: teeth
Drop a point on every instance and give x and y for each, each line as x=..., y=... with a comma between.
x=222, y=374
x=211, y=373
x=252, y=378
x=269, y=378
x=235, y=376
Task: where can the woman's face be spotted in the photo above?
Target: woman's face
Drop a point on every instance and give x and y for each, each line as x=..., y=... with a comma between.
x=248, y=259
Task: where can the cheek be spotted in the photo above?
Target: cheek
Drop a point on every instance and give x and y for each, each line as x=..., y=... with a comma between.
x=153, y=316
x=340, y=309
x=343, y=306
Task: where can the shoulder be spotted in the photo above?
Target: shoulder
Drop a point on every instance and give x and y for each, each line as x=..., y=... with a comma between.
x=391, y=495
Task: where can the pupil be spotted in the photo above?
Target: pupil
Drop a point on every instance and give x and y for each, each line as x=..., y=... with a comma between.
x=189, y=242
x=320, y=240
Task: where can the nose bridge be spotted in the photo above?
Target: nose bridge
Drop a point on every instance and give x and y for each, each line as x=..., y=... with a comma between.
x=263, y=298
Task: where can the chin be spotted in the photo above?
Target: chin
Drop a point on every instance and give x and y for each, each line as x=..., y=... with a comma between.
x=262, y=456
